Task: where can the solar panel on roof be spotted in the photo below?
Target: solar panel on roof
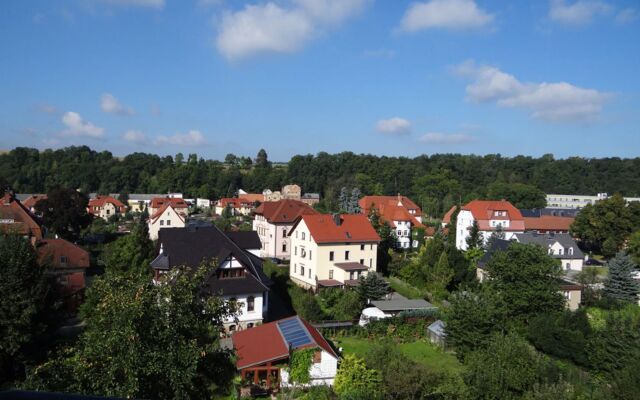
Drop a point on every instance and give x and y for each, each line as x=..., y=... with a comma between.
x=294, y=333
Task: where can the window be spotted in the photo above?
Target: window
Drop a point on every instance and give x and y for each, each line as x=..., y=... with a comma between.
x=571, y=250
x=295, y=267
x=371, y=248
x=296, y=234
x=284, y=233
x=250, y=325
x=362, y=261
x=303, y=234
x=346, y=255
x=251, y=303
x=331, y=256
x=361, y=247
x=63, y=259
x=370, y=262
x=560, y=251
x=295, y=250
x=568, y=266
x=310, y=254
x=352, y=275
x=317, y=357
x=168, y=222
x=161, y=222
x=284, y=247
x=309, y=272
x=232, y=328
x=302, y=270
x=330, y=274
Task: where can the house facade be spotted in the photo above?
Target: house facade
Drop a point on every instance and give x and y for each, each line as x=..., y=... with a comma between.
x=332, y=250
x=236, y=273
x=105, y=207
x=560, y=246
x=68, y=264
x=16, y=218
x=400, y=212
x=490, y=216
x=573, y=201
x=263, y=353
x=273, y=221
x=166, y=217
x=237, y=206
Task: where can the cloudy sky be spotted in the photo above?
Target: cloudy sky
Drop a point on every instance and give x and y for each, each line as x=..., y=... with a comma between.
x=387, y=77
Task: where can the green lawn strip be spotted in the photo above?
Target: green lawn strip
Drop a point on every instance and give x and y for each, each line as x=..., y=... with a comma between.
x=405, y=289
x=420, y=351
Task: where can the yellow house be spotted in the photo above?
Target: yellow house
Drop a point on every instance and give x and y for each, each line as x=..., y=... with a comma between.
x=332, y=250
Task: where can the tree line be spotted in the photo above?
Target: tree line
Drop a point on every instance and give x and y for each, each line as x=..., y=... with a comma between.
x=435, y=182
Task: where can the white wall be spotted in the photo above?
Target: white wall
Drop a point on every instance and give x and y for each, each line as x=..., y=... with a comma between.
x=168, y=219
x=322, y=373
x=243, y=316
x=272, y=237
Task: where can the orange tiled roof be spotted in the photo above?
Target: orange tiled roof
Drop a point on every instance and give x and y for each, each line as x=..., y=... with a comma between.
x=16, y=218
x=252, y=197
x=30, y=202
x=164, y=207
x=484, y=210
x=392, y=208
x=50, y=250
x=176, y=202
x=548, y=223
x=284, y=211
x=352, y=228
x=102, y=200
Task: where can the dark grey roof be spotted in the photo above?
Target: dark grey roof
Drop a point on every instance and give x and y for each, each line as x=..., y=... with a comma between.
x=191, y=246
x=556, y=212
x=496, y=245
x=402, y=305
x=546, y=240
x=247, y=240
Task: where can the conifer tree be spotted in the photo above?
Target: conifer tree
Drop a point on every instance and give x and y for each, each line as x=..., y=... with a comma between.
x=620, y=284
x=474, y=241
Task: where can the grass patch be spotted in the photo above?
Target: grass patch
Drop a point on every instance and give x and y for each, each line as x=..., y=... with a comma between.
x=420, y=351
x=405, y=289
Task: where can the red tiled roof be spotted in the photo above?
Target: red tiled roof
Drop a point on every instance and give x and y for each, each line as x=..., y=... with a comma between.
x=265, y=343
x=447, y=217
x=483, y=211
x=100, y=201
x=50, y=250
x=233, y=202
x=164, y=207
x=548, y=223
x=176, y=202
x=16, y=218
x=392, y=208
x=252, y=197
x=284, y=211
x=352, y=228
x=30, y=202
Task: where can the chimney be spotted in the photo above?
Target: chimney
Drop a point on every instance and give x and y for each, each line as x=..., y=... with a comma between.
x=337, y=220
x=399, y=200
x=161, y=249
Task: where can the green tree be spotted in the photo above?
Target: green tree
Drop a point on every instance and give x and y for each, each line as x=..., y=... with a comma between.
x=496, y=235
x=471, y=320
x=355, y=380
x=525, y=279
x=131, y=253
x=372, y=287
x=64, y=212
x=143, y=340
x=519, y=194
x=440, y=276
x=475, y=241
x=633, y=246
x=24, y=291
x=262, y=160
x=506, y=369
x=621, y=284
x=605, y=225
x=615, y=344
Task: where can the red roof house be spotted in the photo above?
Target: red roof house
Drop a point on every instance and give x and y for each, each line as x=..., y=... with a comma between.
x=105, y=206
x=339, y=228
x=548, y=224
x=262, y=351
x=490, y=216
x=400, y=212
x=16, y=218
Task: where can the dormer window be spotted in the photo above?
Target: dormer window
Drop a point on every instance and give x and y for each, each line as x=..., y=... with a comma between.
x=571, y=250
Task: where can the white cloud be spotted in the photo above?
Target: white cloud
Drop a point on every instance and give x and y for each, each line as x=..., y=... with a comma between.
x=134, y=136
x=191, y=138
x=78, y=127
x=393, y=126
x=627, y=15
x=445, y=14
x=581, y=12
x=559, y=101
x=271, y=28
x=443, y=138
x=157, y=4
x=109, y=104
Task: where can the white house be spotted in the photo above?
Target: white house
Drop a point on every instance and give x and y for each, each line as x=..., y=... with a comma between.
x=400, y=212
x=236, y=273
x=490, y=216
x=332, y=250
x=106, y=207
x=273, y=221
x=560, y=246
x=167, y=216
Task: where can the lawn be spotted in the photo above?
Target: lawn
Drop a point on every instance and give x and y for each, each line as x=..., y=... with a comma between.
x=421, y=351
x=405, y=289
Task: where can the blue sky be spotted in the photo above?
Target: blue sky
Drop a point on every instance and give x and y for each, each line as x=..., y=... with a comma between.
x=387, y=77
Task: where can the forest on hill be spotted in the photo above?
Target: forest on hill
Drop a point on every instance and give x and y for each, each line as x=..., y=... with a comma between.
x=434, y=181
